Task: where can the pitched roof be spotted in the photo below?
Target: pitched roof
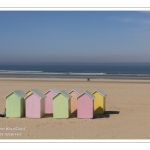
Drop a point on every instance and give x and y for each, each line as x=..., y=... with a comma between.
x=37, y=92
x=101, y=92
x=54, y=90
x=20, y=93
x=88, y=93
x=76, y=90
x=64, y=93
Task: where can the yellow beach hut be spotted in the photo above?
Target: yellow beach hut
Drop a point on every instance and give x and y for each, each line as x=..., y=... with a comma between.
x=99, y=102
x=28, y=92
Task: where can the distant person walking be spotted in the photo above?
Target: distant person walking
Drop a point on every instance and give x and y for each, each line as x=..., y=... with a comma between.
x=4, y=114
x=88, y=79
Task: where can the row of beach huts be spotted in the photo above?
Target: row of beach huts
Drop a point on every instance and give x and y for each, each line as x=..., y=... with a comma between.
x=62, y=104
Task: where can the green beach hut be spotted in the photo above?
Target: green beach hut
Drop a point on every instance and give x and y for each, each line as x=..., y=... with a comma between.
x=61, y=105
x=15, y=104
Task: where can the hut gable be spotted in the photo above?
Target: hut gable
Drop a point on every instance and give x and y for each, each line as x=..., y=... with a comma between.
x=73, y=101
x=66, y=94
x=99, y=102
x=76, y=90
x=54, y=90
x=15, y=105
x=61, y=105
x=35, y=104
x=37, y=93
x=85, y=105
x=49, y=100
x=63, y=93
x=100, y=92
x=19, y=93
x=88, y=93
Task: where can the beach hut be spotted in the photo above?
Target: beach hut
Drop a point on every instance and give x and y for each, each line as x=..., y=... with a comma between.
x=85, y=105
x=99, y=102
x=73, y=101
x=28, y=92
x=49, y=100
x=61, y=105
x=35, y=104
x=15, y=104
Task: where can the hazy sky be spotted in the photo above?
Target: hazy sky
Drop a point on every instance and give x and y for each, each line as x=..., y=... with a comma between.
x=74, y=36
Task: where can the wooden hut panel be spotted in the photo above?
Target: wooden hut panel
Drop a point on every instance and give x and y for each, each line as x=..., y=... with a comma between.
x=85, y=107
x=99, y=103
x=73, y=102
x=60, y=107
x=49, y=102
x=13, y=106
x=33, y=107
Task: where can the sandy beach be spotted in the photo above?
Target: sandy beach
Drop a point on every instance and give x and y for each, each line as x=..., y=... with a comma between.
x=127, y=113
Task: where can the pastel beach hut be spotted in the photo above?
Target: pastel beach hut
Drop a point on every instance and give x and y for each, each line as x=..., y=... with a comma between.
x=28, y=92
x=73, y=101
x=49, y=100
x=15, y=104
x=35, y=104
x=85, y=105
x=99, y=102
x=61, y=105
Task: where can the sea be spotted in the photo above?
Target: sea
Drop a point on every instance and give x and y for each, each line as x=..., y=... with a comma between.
x=86, y=70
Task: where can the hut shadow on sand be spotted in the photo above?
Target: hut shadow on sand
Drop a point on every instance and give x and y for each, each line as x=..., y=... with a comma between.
x=106, y=114
x=73, y=115
x=51, y=116
x=48, y=116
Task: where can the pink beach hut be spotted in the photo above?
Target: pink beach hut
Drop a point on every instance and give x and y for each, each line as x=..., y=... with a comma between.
x=49, y=100
x=73, y=101
x=85, y=105
x=35, y=104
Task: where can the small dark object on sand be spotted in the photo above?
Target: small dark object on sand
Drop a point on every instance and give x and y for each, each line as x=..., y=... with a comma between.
x=4, y=114
x=88, y=79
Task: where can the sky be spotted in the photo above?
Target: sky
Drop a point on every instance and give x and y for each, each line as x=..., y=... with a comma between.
x=75, y=36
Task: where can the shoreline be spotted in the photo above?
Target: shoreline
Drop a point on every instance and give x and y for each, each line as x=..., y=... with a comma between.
x=122, y=77
x=74, y=80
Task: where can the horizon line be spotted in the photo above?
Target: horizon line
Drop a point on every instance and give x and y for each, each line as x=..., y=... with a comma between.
x=24, y=63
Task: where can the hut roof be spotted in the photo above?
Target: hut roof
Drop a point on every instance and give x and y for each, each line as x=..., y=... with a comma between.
x=88, y=93
x=64, y=93
x=76, y=90
x=54, y=90
x=20, y=93
x=37, y=92
x=101, y=92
